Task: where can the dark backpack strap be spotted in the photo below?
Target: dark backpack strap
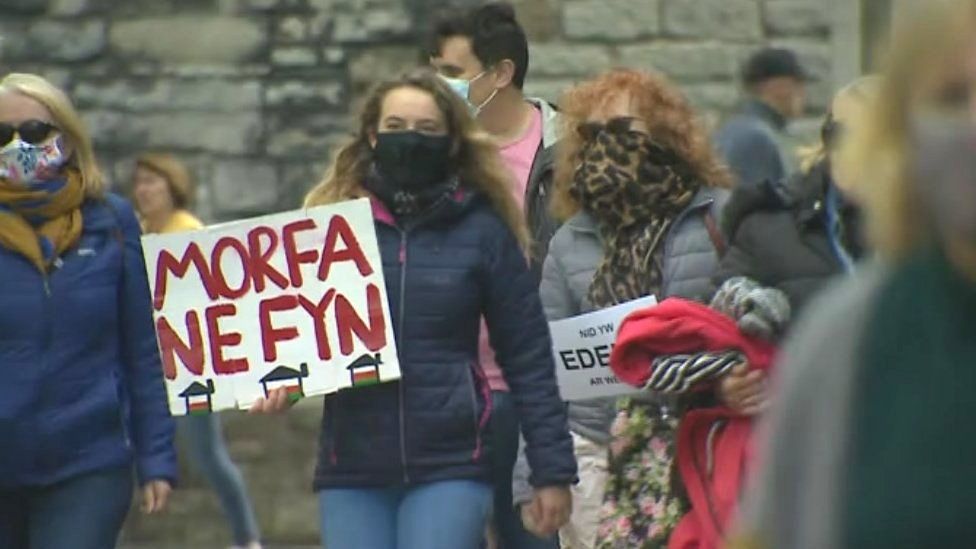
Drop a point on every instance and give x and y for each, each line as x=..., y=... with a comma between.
x=715, y=234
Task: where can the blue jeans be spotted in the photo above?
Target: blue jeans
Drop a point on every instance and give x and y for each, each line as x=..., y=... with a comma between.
x=205, y=443
x=84, y=512
x=450, y=514
x=505, y=444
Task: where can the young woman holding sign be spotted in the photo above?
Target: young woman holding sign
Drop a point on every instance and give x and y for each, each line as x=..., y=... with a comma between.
x=162, y=191
x=82, y=399
x=639, y=187
x=404, y=465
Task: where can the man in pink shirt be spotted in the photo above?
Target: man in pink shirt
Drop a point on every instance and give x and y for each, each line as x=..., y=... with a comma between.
x=483, y=54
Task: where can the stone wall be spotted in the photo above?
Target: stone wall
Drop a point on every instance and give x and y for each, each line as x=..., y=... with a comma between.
x=255, y=93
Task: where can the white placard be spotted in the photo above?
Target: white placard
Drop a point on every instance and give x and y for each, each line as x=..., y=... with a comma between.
x=294, y=300
x=582, y=346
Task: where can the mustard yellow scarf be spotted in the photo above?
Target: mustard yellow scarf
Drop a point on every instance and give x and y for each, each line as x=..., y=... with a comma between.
x=41, y=222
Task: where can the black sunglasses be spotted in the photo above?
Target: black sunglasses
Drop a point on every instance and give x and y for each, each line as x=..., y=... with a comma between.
x=30, y=131
x=619, y=125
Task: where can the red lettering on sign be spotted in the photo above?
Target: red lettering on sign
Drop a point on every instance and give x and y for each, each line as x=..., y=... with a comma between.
x=220, y=340
x=172, y=346
x=270, y=336
x=317, y=312
x=293, y=257
x=348, y=322
x=352, y=251
x=261, y=267
x=217, y=273
x=167, y=263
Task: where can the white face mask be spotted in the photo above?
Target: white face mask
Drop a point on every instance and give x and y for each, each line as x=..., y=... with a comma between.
x=462, y=87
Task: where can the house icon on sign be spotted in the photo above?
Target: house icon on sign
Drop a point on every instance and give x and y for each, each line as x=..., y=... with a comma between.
x=365, y=370
x=198, y=398
x=288, y=378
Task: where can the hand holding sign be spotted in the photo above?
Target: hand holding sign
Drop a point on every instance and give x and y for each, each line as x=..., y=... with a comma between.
x=276, y=403
x=582, y=345
x=271, y=309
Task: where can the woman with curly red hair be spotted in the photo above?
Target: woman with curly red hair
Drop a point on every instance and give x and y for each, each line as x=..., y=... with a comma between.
x=639, y=188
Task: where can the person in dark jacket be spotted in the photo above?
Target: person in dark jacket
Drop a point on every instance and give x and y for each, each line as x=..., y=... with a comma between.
x=795, y=235
x=483, y=53
x=641, y=189
x=83, y=400
x=752, y=141
x=403, y=465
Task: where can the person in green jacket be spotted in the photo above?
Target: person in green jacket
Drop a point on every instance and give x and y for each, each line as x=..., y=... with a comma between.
x=869, y=442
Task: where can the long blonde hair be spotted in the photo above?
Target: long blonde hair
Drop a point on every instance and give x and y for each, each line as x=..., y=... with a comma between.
x=669, y=116
x=863, y=90
x=879, y=153
x=67, y=120
x=475, y=155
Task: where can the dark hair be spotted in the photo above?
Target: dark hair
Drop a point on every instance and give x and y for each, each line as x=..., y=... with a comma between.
x=494, y=32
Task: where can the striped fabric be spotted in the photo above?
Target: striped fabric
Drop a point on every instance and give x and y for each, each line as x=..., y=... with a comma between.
x=678, y=373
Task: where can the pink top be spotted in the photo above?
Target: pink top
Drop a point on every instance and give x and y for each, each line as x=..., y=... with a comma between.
x=519, y=156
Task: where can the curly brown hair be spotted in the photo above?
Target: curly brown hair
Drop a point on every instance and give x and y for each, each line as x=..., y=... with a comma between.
x=669, y=117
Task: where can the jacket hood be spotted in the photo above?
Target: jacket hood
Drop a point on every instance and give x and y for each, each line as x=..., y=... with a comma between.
x=550, y=121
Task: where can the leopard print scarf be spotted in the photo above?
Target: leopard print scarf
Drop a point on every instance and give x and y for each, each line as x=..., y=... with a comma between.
x=633, y=188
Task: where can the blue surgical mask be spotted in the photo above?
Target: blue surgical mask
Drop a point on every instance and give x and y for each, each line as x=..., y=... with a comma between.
x=462, y=87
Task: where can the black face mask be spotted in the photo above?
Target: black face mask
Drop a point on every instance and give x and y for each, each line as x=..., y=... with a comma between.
x=412, y=161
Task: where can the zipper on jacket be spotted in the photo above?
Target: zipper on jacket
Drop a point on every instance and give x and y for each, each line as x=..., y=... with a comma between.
x=400, y=319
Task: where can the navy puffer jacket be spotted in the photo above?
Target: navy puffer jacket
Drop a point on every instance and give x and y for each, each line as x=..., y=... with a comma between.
x=82, y=386
x=442, y=274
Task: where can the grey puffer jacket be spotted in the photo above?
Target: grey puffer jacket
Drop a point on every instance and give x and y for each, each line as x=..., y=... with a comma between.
x=690, y=261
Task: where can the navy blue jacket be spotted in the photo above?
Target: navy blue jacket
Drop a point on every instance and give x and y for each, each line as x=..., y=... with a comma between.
x=442, y=273
x=82, y=385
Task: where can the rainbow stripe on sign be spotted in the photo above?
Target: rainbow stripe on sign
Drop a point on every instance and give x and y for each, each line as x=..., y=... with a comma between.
x=199, y=408
x=294, y=393
x=366, y=377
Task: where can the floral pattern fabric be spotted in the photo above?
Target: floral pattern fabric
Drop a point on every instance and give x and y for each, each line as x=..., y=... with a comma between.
x=643, y=503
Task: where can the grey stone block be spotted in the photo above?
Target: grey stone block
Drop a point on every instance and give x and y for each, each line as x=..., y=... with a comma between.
x=796, y=17
x=611, y=20
x=713, y=19
x=171, y=94
x=112, y=129
x=67, y=41
x=23, y=6
x=302, y=93
x=380, y=63
x=292, y=29
x=213, y=132
x=294, y=57
x=371, y=25
x=71, y=8
x=568, y=59
x=550, y=89
x=684, y=62
x=713, y=96
x=185, y=38
x=244, y=186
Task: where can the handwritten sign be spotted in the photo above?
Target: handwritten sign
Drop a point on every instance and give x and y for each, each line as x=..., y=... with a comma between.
x=582, y=346
x=294, y=300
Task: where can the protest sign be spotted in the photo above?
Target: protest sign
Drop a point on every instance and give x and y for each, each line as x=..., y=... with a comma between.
x=293, y=300
x=582, y=345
